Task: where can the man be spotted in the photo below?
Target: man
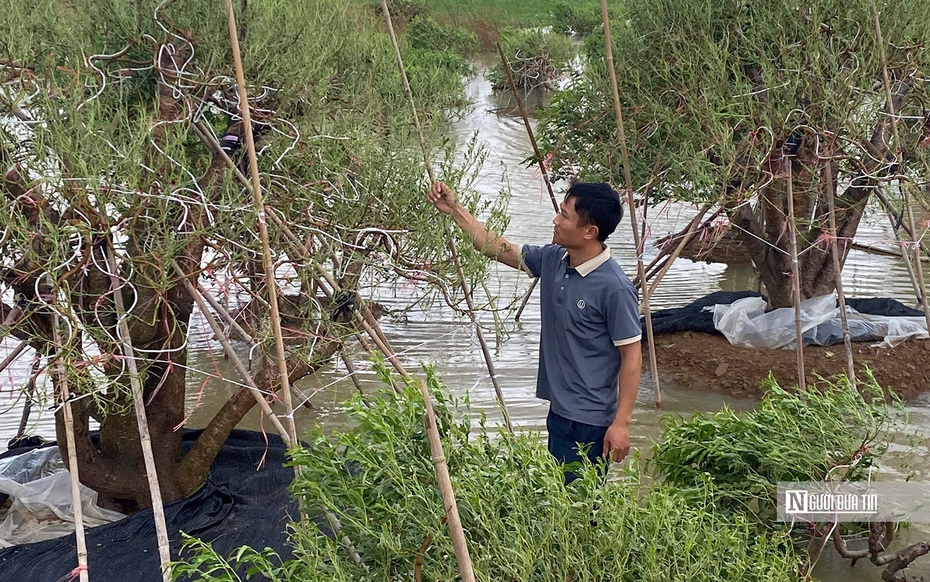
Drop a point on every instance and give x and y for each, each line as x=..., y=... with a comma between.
x=590, y=358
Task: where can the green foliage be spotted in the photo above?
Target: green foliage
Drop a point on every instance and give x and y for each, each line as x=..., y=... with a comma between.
x=826, y=432
x=522, y=523
x=578, y=18
x=711, y=89
x=537, y=58
x=425, y=33
x=401, y=10
x=490, y=15
x=113, y=90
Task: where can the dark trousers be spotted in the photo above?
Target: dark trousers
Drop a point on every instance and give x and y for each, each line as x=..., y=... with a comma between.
x=565, y=436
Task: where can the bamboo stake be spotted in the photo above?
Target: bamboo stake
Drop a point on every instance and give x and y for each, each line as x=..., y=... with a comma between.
x=795, y=272
x=270, y=282
x=13, y=355
x=625, y=155
x=138, y=401
x=455, y=257
x=77, y=508
x=689, y=236
x=27, y=405
x=539, y=160
x=529, y=128
x=526, y=299
x=920, y=287
x=661, y=259
x=373, y=331
x=883, y=252
x=889, y=211
x=459, y=543
x=234, y=325
x=207, y=138
x=234, y=358
x=838, y=274
x=224, y=313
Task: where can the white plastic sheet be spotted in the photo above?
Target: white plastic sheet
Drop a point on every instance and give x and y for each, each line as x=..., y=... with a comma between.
x=746, y=324
x=40, y=489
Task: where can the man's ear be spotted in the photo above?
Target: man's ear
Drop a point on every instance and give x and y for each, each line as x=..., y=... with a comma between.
x=591, y=231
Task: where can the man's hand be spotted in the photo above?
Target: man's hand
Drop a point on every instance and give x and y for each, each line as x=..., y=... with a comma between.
x=443, y=198
x=617, y=442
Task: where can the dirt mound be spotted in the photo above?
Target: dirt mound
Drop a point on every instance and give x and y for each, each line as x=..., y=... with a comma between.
x=709, y=362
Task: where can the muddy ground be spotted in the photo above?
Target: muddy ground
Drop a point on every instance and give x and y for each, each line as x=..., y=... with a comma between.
x=708, y=362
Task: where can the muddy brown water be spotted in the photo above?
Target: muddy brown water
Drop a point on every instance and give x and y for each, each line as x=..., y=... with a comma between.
x=436, y=336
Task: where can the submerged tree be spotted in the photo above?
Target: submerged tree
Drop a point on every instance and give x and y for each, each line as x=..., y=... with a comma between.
x=118, y=125
x=719, y=97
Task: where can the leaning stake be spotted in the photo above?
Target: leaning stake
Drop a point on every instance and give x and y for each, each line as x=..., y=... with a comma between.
x=919, y=285
x=795, y=272
x=77, y=508
x=459, y=543
x=625, y=155
x=138, y=402
x=455, y=256
x=270, y=282
x=838, y=273
x=539, y=160
x=234, y=357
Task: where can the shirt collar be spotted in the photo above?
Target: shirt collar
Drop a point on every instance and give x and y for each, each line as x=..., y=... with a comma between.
x=587, y=267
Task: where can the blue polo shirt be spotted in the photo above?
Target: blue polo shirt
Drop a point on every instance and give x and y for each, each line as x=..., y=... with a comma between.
x=587, y=312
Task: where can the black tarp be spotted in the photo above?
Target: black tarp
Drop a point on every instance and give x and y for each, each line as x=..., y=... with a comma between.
x=692, y=317
x=238, y=505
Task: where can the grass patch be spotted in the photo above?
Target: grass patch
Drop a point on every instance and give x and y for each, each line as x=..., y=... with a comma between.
x=524, y=524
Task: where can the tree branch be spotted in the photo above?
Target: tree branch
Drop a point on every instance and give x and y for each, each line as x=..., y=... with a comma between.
x=196, y=463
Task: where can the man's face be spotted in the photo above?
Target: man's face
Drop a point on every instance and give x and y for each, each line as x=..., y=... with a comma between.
x=568, y=230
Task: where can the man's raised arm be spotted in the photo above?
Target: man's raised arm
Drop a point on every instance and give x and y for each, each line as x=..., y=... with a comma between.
x=485, y=240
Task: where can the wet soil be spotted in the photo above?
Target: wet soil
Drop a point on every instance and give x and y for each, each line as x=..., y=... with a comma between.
x=708, y=362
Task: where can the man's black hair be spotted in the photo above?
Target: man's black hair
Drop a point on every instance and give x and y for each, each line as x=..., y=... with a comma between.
x=598, y=204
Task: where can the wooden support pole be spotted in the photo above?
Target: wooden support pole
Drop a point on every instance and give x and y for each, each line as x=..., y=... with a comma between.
x=526, y=299
x=459, y=543
x=302, y=249
x=29, y=395
x=661, y=259
x=234, y=357
x=838, y=274
x=687, y=238
x=270, y=283
x=77, y=507
x=871, y=249
x=13, y=355
x=625, y=156
x=529, y=128
x=455, y=257
x=372, y=329
x=539, y=160
x=795, y=271
x=234, y=325
x=230, y=320
x=919, y=285
x=138, y=401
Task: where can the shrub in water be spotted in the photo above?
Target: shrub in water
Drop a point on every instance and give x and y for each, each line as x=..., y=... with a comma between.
x=537, y=59
x=828, y=431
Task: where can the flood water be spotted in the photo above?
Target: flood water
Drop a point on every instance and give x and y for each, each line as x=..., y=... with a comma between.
x=438, y=337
